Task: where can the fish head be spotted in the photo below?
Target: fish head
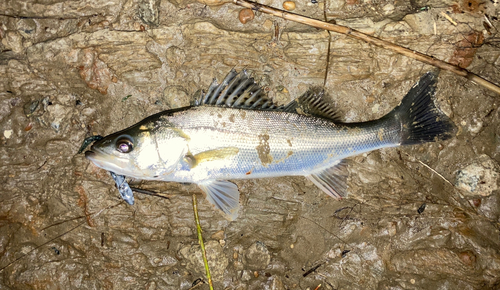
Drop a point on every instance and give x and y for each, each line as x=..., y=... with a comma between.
x=143, y=151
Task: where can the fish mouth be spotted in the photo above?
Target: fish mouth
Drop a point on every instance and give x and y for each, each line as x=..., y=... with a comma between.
x=94, y=157
x=97, y=159
x=104, y=161
x=90, y=155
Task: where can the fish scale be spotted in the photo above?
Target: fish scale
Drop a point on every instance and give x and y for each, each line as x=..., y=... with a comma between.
x=316, y=143
x=235, y=132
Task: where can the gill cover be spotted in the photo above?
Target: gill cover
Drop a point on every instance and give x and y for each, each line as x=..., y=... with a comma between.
x=171, y=146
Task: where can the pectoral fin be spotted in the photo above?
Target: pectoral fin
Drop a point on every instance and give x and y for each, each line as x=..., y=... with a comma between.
x=224, y=195
x=332, y=180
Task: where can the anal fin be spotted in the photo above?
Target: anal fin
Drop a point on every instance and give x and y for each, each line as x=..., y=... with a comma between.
x=332, y=180
x=223, y=195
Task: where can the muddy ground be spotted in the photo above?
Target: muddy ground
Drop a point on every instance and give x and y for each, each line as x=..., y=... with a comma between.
x=418, y=217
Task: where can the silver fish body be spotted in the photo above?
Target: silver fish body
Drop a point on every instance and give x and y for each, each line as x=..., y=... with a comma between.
x=227, y=136
x=244, y=144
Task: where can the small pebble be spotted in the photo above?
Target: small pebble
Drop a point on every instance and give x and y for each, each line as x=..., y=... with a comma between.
x=412, y=281
x=421, y=208
x=370, y=99
x=238, y=265
x=289, y=5
x=256, y=274
x=30, y=108
x=7, y=133
x=246, y=15
x=219, y=235
x=268, y=24
x=468, y=258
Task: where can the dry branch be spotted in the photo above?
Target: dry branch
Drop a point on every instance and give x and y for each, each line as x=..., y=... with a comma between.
x=200, y=241
x=370, y=39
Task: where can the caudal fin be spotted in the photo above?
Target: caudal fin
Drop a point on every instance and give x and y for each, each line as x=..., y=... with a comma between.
x=420, y=119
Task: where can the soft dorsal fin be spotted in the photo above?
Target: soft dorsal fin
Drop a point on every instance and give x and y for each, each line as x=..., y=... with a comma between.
x=237, y=90
x=312, y=103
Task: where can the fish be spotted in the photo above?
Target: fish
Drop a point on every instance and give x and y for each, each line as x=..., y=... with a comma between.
x=233, y=131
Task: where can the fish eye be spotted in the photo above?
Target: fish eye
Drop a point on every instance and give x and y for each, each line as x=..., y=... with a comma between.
x=124, y=145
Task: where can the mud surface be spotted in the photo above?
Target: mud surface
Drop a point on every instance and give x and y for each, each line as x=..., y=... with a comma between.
x=72, y=69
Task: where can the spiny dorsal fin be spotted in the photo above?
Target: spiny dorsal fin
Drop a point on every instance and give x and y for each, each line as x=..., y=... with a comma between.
x=312, y=103
x=237, y=90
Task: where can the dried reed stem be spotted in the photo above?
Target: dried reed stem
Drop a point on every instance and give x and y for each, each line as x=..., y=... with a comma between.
x=370, y=39
x=200, y=240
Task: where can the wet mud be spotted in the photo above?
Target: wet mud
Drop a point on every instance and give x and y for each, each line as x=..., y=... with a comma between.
x=417, y=217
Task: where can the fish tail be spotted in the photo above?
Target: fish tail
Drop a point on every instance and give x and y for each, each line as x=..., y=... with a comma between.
x=421, y=121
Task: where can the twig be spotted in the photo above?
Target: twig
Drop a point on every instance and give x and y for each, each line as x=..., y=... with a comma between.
x=311, y=270
x=48, y=17
x=57, y=237
x=43, y=244
x=370, y=39
x=197, y=283
x=200, y=240
x=148, y=192
x=448, y=18
x=331, y=233
x=445, y=180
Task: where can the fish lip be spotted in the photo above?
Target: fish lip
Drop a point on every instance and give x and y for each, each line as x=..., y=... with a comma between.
x=99, y=159
x=93, y=155
x=90, y=155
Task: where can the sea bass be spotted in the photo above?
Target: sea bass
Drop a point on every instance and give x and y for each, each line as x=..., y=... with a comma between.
x=233, y=131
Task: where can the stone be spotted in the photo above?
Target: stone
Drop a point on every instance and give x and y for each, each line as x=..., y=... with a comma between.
x=149, y=13
x=219, y=235
x=422, y=22
x=257, y=256
x=217, y=260
x=175, y=56
x=58, y=115
x=276, y=283
x=13, y=41
x=175, y=97
x=479, y=178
